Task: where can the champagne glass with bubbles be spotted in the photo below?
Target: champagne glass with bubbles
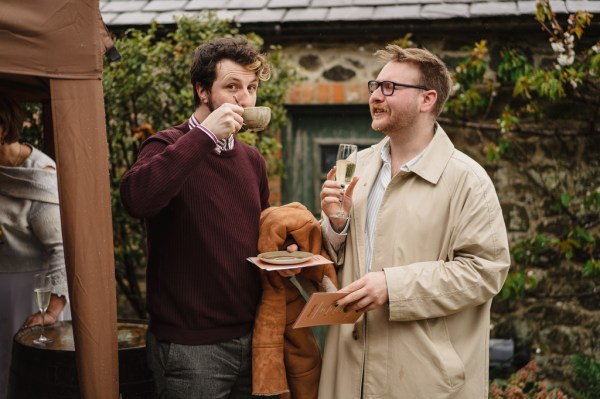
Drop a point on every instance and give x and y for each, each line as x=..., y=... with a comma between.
x=42, y=292
x=345, y=168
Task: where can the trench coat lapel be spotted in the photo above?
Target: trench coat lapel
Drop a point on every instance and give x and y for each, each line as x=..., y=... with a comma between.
x=367, y=168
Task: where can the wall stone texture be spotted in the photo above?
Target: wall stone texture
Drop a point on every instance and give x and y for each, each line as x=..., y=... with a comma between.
x=561, y=316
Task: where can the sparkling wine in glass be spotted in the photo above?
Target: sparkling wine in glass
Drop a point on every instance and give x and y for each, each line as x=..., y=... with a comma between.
x=42, y=292
x=345, y=168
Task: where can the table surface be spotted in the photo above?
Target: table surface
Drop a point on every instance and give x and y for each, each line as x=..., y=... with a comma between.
x=129, y=335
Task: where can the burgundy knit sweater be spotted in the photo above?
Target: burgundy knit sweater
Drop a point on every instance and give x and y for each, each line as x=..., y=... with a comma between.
x=202, y=212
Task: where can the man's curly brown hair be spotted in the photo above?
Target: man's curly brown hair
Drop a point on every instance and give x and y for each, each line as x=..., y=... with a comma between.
x=238, y=50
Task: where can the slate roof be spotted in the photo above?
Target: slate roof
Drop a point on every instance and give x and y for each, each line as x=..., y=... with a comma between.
x=143, y=12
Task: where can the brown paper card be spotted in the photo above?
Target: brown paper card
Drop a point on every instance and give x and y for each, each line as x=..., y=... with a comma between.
x=321, y=310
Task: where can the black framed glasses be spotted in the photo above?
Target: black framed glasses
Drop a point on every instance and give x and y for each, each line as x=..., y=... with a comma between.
x=387, y=86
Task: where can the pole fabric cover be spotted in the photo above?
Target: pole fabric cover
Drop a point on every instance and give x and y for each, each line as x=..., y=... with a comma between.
x=84, y=193
x=52, y=52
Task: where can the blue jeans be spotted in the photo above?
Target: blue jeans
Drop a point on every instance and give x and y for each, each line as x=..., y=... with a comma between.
x=215, y=371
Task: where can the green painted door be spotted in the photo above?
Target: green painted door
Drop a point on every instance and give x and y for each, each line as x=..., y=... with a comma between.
x=310, y=145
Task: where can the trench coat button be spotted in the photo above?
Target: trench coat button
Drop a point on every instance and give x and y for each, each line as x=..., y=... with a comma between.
x=355, y=334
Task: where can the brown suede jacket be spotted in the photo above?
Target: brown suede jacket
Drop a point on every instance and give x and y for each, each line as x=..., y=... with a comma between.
x=287, y=361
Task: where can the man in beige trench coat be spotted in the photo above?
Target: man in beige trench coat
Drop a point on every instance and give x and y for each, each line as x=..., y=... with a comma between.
x=422, y=255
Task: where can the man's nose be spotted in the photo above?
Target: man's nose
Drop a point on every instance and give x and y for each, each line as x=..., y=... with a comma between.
x=376, y=96
x=245, y=98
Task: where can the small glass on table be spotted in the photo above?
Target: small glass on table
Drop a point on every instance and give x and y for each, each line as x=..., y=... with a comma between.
x=42, y=291
x=345, y=167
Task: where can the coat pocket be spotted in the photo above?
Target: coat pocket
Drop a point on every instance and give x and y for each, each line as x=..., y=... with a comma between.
x=445, y=358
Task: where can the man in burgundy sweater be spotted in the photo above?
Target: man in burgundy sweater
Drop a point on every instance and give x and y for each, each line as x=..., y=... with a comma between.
x=201, y=192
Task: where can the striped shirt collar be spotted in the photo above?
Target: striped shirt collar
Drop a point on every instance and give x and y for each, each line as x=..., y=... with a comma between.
x=221, y=145
x=387, y=158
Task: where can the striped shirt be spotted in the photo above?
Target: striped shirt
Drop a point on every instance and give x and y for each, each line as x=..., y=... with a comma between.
x=221, y=145
x=376, y=195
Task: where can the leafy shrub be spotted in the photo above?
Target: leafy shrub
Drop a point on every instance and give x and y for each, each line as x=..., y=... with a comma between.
x=524, y=384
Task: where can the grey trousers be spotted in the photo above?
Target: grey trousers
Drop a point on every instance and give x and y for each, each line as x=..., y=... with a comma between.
x=216, y=371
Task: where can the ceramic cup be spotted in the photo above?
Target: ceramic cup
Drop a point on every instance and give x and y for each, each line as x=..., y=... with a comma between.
x=256, y=118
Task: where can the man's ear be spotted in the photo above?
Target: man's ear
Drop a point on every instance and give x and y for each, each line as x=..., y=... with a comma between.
x=429, y=100
x=202, y=93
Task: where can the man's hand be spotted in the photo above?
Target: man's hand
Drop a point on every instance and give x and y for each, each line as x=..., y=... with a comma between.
x=225, y=120
x=367, y=293
x=331, y=198
x=290, y=272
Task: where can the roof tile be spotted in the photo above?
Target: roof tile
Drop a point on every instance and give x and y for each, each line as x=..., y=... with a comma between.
x=494, y=8
x=423, y=2
x=165, y=5
x=585, y=5
x=123, y=12
x=558, y=6
x=444, y=11
x=201, y=5
x=170, y=17
x=124, y=6
x=288, y=3
x=107, y=17
x=373, y=2
x=332, y=3
x=243, y=4
x=397, y=12
x=263, y=15
x=308, y=14
x=526, y=7
x=134, y=18
x=529, y=7
x=231, y=15
x=350, y=13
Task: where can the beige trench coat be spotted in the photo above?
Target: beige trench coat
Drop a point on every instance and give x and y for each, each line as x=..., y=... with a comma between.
x=442, y=243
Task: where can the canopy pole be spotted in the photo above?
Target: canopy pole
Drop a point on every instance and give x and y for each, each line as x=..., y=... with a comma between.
x=81, y=151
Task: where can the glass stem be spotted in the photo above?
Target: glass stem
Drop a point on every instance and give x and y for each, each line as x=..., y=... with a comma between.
x=341, y=212
x=42, y=333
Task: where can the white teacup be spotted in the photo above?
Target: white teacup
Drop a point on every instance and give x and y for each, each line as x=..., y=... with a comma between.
x=256, y=118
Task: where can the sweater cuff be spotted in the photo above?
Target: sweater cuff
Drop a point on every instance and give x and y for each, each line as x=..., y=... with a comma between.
x=210, y=134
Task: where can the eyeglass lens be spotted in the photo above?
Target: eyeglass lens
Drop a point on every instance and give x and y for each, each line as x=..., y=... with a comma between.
x=387, y=88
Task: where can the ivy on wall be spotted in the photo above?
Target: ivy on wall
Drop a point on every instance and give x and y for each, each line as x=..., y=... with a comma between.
x=558, y=99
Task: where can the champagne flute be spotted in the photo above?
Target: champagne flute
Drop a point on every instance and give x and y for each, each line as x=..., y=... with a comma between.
x=42, y=291
x=345, y=168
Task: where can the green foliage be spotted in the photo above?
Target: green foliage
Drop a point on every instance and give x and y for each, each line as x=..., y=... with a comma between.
x=536, y=93
x=32, y=127
x=472, y=92
x=573, y=77
x=405, y=41
x=587, y=376
x=591, y=268
x=516, y=285
x=514, y=65
x=148, y=90
x=530, y=250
